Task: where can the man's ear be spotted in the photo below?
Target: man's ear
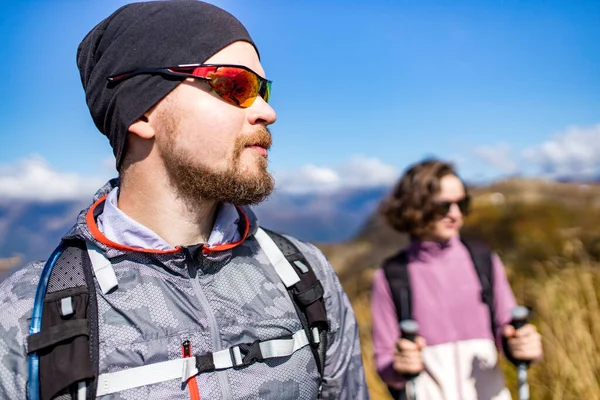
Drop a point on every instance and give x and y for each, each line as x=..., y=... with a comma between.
x=142, y=128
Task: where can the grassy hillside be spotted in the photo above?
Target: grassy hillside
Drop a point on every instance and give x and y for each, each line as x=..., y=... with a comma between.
x=548, y=235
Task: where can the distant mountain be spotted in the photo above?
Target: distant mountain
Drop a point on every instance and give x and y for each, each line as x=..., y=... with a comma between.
x=30, y=230
x=582, y=181
x=324, y=217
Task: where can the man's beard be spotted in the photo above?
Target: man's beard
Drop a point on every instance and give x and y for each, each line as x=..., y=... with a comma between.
x=195, y=182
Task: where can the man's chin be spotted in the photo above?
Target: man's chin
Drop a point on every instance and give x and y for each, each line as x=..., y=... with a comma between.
x=253, y=173
x=254, y=187
x=255, y=167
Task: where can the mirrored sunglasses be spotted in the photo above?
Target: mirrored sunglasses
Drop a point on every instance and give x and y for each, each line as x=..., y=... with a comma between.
x=236, y=84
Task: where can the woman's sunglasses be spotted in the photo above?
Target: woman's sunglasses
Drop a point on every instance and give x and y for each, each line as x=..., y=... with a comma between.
x=443, y=207
x=236, y=84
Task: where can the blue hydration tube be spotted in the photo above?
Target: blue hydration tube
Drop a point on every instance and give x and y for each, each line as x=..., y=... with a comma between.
x=33, y=383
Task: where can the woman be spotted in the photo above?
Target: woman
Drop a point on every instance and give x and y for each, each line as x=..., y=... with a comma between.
x=455, y=353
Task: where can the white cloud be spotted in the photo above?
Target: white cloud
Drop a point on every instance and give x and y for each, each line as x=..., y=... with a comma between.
x=574, y=153
x=33, y=178
x=499, y=156
x=308, y=178
x=357, y=172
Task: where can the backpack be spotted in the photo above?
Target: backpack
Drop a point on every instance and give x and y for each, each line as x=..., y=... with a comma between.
x=396, y=272
x=63, y=345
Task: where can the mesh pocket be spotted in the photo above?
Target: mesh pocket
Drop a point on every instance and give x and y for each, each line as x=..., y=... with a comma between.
x=68, y=271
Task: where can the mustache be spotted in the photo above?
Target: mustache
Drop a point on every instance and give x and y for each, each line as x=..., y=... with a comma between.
x=261, y=137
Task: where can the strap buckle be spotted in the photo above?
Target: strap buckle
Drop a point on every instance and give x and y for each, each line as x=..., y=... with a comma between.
x=249, y=352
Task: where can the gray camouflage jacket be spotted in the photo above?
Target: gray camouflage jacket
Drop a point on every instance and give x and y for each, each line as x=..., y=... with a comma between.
x=214, y=300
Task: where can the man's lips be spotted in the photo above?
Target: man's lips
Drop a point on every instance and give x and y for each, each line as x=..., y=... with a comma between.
x=259, y=149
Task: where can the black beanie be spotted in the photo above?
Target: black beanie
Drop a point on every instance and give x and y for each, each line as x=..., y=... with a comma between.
x=147, y=34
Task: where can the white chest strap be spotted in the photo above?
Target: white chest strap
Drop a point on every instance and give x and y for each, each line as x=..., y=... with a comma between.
x=103, y=270
x=185, y=368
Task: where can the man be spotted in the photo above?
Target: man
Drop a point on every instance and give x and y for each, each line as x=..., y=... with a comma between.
x=179, y=90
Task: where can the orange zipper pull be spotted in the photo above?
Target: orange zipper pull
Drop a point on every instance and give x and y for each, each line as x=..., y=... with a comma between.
x=186, y=352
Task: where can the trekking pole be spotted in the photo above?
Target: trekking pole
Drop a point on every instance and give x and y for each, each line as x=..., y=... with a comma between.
x=519, y=319
x=409, y=329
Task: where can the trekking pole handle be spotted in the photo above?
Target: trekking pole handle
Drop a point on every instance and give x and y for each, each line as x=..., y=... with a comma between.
x=409, y=329
x=519, y=316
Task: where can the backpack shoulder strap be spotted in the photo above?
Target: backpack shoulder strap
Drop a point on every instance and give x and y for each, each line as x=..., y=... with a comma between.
x=306, y=294
x=63, y=346
x=481, y=254
x=395, y=269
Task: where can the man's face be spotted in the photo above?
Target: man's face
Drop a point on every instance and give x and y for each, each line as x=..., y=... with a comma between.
x=450, y=220
x=211, y=149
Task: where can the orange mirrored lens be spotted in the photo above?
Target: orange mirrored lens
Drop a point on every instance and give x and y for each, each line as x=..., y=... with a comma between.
x=235, y=85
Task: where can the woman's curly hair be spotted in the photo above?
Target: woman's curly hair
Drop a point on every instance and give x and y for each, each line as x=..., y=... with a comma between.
x=410, y=206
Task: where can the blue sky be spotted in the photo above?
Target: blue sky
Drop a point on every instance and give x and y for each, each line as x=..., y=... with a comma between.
x=362, y=89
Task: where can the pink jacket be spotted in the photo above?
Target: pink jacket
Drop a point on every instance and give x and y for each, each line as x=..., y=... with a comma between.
x=461, y=357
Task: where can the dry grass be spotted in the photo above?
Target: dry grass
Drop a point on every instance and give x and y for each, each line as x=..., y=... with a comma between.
x=566, y=300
